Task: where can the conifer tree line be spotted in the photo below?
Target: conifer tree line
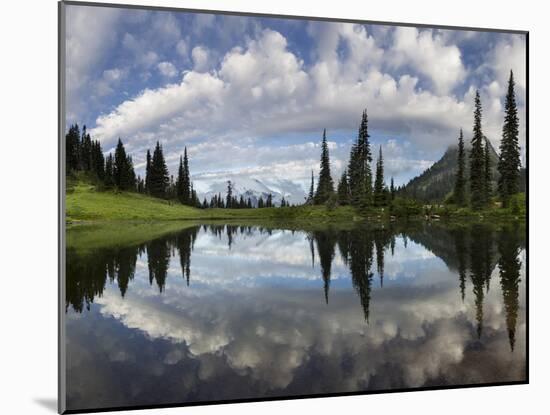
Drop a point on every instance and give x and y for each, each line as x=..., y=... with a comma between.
x=83, y=153
x=117, y=172
x=479, y=182
x=355, y=186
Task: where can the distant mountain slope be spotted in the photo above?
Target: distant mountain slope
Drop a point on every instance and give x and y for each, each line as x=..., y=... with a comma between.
x=252, y=188
x=437, y=182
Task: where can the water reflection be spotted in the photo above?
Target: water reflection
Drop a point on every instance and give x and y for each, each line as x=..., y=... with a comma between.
x=275, y=312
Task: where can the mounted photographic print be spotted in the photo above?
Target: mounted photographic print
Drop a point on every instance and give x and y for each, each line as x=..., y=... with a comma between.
x=259, y=207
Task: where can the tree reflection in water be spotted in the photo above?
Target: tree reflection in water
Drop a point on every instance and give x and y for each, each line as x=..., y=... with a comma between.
x=474, y=252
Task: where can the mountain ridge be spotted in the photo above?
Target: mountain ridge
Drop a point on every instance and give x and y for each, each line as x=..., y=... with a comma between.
x=437, y=182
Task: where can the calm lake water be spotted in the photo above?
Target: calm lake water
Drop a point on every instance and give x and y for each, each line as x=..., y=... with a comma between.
x=221, y=312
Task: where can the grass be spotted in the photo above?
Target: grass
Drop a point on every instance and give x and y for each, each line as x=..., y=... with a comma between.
x=84, y=203
x=113, y=234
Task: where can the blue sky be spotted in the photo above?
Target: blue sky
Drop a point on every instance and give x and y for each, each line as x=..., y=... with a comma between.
x=250, y=96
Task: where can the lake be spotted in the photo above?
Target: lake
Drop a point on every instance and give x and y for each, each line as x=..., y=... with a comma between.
x=228, y=312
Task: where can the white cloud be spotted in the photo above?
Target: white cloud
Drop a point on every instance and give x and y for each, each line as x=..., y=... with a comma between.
x=201, y=58
x=427, y=52
x=263, y=89
x=167, y=69
x=510, y=55
x=85, y=49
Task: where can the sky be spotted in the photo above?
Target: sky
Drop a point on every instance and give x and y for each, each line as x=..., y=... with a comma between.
x=249, y=97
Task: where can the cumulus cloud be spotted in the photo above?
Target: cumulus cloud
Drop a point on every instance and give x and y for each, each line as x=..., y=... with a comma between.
x=257, y=83
x=167, y=69
x=428, y=54
x=201, y=58
x=273, y=87
x=85, y=49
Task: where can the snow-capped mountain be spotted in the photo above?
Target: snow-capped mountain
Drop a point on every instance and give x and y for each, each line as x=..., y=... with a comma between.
x=252, y=188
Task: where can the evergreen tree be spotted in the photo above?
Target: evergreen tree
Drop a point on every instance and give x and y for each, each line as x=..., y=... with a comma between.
x=509, y=158
x=229, y=196
x=283, y=202
x=72, y=148
x=148, y=172
x=379, y=196
x=109, y=175
x=460, y=182
x=392, y=190
x=159, y=173
x=186, y=179
x=359, y=170
x=85, y=150
x=130, y=174
x=122, y=172
x=325, y=186
x=477, y=187
x=249, y=204
x=269, y=201
x=183, y=183
x=343, y=189
x=261, y=202
x=179, y=182
x=98, y=160
x=487, y=177
x=311, y=193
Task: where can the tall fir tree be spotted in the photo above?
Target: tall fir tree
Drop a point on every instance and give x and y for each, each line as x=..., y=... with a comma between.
x=311, y=194
x=229, y=195
x=359, y=170
x=130, y=174
x=186, y=194
x=85, y=150
x=98, y=160
x=325, y=185
x=179, y=182
x=72, y=149
x=121, y=175
x=477, y=158
x=487, y=176
x=109, y=175
x=159, y=173
x=379, y=194
x=460, y=181
x=509, y=159
x=148, y=172
x=392, y=190
x=343, y=189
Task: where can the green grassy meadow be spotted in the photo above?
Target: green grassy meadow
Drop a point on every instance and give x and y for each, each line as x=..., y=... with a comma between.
x=86, y=204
